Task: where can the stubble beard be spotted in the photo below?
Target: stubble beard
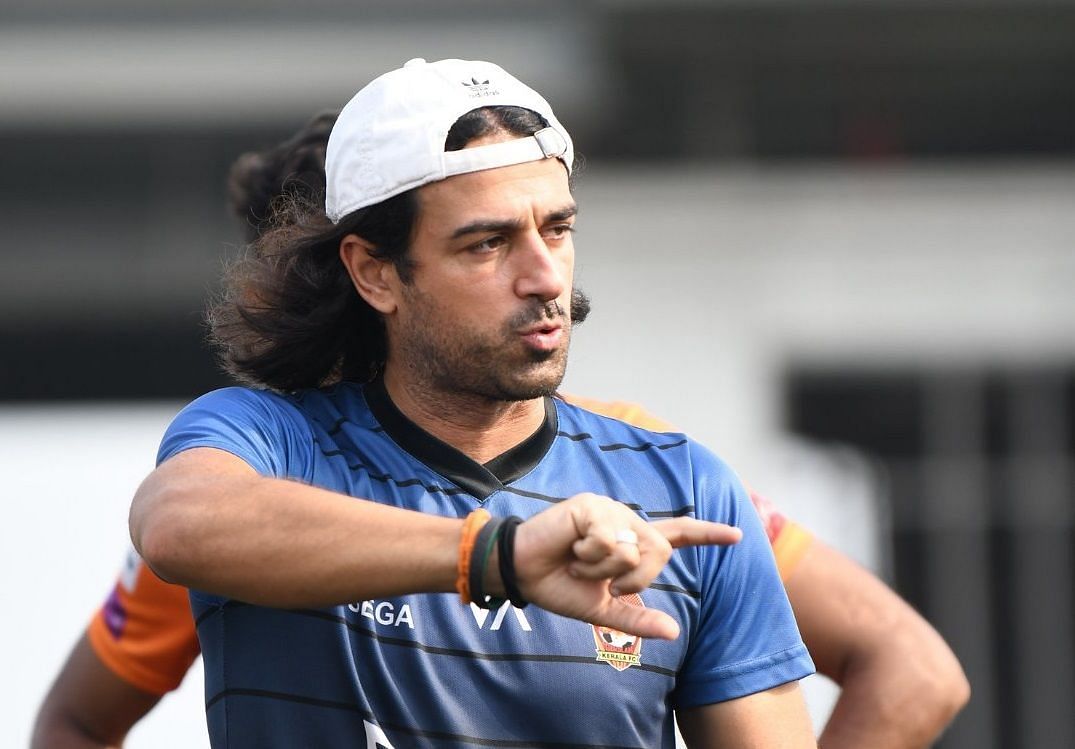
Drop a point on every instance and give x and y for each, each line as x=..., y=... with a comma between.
x=491, y=367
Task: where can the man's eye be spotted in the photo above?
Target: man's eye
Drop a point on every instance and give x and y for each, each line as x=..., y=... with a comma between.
x=492, y=244
x=559, y=231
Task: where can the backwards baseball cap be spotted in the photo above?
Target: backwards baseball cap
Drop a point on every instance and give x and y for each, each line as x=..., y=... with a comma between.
x=390, y=136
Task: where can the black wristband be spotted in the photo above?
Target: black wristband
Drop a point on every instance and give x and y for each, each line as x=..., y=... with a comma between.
x=506, y=562
x=479, y=559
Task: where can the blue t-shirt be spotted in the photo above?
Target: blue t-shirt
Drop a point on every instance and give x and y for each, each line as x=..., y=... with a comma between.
x=425, y=670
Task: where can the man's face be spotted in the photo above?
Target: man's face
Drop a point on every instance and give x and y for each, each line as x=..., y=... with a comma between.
x=487, y=311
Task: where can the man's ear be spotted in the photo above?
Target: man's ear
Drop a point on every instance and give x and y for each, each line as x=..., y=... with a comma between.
x=375, y=280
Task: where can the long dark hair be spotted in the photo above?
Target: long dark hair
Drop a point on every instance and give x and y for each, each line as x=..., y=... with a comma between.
x=288, y=316
x=261, y=183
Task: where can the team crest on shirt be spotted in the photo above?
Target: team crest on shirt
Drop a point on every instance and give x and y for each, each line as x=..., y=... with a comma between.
x=619, y=649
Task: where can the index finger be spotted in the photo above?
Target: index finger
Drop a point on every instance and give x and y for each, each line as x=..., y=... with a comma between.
x=692, y=532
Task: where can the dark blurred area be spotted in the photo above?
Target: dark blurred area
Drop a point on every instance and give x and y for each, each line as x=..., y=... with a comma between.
x=979, y=468
x=132, y=192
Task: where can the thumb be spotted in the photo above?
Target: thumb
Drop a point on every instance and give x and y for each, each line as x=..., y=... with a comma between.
x=636, y=620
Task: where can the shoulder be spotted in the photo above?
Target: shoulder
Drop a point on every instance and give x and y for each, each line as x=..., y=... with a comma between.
x=311, y=406
x=681, y=465
x=237, y=407
x=239, y=401
x=605, y=425
x=632, y=413
x=637, y=430
x=262, y=427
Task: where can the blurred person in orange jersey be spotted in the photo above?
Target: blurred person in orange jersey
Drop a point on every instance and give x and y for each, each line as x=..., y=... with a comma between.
x=900, y=683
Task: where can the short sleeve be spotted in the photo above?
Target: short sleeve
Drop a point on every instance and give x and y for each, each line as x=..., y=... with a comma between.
x=261, y=428
x=789, y=540
x=251, y=424
x=745, y=639
x=144, y=632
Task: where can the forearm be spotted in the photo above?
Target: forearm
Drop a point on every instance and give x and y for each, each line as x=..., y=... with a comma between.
x=902, y=696
x=862, y=717
x=88, y=705
x=281, y=543
x=55, y=732
x=67, y=737
x=900, y=683
x=205, y=520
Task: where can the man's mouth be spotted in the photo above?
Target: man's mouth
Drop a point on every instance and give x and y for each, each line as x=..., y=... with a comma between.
x=545, y=336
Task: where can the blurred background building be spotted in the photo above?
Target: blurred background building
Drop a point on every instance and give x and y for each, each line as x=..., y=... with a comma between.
x=832, y=240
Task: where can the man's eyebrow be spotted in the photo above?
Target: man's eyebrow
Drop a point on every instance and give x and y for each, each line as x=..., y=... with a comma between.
x=495, y=226
x=563, y=214
x=492, y=226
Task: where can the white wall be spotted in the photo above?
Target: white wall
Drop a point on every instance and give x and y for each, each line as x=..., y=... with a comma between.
x=69, y=475
x=707, y=283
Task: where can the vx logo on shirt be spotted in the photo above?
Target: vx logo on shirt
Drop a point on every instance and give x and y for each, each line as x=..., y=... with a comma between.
x=482, y=615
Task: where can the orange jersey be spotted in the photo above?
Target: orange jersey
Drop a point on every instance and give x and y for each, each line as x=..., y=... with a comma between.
x=144, y=632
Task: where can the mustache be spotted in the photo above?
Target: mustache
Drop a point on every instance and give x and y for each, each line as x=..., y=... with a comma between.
x=552, y=310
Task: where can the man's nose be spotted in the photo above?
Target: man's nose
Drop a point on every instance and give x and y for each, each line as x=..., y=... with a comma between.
x=541, y=273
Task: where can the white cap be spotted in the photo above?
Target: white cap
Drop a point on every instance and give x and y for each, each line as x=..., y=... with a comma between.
x=390, y=136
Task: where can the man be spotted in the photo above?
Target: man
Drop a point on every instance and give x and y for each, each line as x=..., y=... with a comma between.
x=449, y=207
x=898, y=691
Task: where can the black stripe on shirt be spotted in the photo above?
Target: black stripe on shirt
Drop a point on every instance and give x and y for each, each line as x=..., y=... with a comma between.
x=668, y=588
x=438, y=650
x=675, y=513
x=384, y=478
x=620, y=446
x=408, y=730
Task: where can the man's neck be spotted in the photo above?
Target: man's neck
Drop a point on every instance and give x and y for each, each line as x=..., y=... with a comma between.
x=480, y=428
